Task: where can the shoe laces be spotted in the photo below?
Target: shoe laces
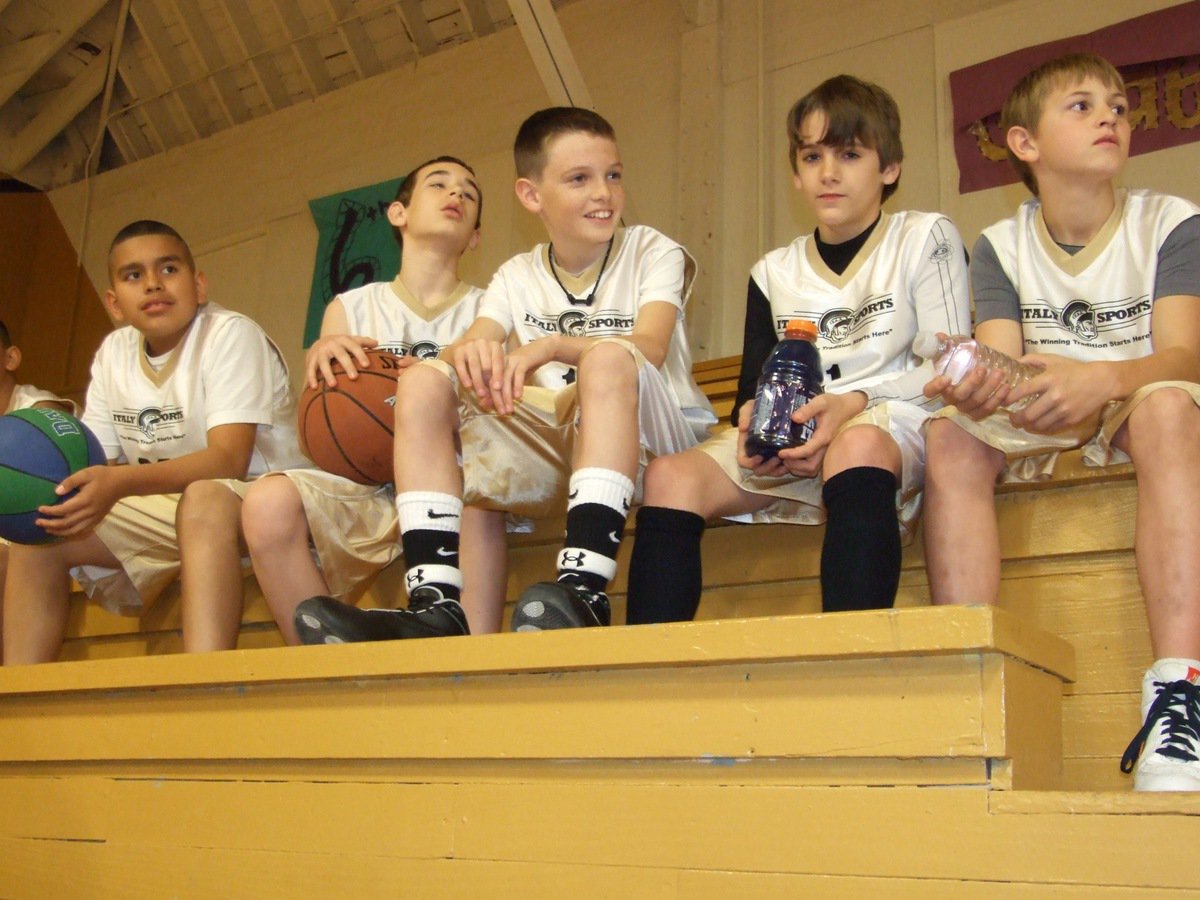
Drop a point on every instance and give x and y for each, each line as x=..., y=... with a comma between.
x=1176, y=712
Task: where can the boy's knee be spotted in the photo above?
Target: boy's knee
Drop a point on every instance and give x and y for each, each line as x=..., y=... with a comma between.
x=954, y=451
x=1167, y=420
x=424, y=392
x=206, y=503
x=862, y=445
x=608, y=366
x=271, y=507
x=674, y=481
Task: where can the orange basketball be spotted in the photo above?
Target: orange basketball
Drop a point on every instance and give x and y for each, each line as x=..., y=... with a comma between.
x=347, y=429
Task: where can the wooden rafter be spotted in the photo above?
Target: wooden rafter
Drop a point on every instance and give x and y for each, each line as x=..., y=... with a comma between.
x=418, y=27
x=55, y=112
x=153, y=107
x=255, y=48
x=154, y=33
x=304, y=46
x=552, y=56
x=477, y=14
x=19, y=61
x=223, y=77
x=355, y=37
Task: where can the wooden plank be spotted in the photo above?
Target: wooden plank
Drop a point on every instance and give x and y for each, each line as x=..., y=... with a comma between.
x=191, y=98
x=253, y=45
x=304, y=46
x=413, y=17
x=223, y=76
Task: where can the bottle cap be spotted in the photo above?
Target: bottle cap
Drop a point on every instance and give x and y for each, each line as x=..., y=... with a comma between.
x=925, y=344
x=801, y=328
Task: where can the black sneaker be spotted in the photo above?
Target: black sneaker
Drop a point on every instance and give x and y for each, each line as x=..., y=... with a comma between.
x=323, y=620
x=549, y=605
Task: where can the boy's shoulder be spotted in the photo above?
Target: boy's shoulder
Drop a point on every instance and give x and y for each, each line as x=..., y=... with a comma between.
x=631, y=239
x=1136, y=207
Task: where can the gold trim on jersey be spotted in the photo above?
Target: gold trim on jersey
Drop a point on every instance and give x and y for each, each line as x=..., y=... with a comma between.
x=1075, y=264
x=813, y=255
x=159, y=378
x=580, y=284
x=428, y=313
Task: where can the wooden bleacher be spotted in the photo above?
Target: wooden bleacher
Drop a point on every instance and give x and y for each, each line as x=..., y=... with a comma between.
x=761, y=751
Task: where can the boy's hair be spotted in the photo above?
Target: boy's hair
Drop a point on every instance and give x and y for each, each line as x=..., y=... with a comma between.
x=143, y=227
x=409, y=183
x=1025, y=102
x=5, y=337
x=536, y=133
x=855, y=110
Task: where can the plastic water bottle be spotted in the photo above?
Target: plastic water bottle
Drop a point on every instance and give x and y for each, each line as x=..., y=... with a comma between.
x=957, y=356
x=791, y=376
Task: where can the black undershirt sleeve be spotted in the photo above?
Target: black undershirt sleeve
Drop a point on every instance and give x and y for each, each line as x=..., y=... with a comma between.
x=757, y=342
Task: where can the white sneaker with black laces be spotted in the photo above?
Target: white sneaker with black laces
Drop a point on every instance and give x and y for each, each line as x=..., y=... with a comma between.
x=1165, y=753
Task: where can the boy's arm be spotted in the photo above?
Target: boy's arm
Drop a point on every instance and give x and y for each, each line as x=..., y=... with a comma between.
x=227, y=455
x=65, y=406
x=758, y=338
x=478, y=358
x=336, y=343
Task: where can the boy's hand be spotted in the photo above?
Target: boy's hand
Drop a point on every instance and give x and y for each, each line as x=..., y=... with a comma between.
x=771, y=467
x=519, y=365
x=830, y=412
x=1072, y=392
x=978, y=395
x=347, y=349
x=99, y=489
x=480, y=367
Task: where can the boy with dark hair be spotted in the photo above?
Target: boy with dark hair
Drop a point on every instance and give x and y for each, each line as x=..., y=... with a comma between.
x=597, y=314
x=187, y=391
x=871, y=280
x=352, y=527
x=1109, y=280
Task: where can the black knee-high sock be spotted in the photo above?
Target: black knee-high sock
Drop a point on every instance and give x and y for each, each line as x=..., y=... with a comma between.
x=860, y=560
x=664, y=570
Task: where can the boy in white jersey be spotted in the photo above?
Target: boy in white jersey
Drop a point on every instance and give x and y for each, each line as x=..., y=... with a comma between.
x=870, y=280
x=1103, y=285
x=186, y=391
x=598, y=316
x=352, y=527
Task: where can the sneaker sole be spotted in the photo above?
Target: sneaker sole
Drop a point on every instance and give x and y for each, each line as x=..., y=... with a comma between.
x=545, y=609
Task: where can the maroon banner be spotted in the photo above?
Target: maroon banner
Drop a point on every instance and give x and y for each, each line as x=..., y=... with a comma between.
x=1158, y=54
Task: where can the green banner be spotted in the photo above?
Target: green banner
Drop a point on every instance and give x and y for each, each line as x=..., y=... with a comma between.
x=356, y=246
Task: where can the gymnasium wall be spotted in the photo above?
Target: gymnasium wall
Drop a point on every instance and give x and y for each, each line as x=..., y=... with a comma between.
x=698, y=90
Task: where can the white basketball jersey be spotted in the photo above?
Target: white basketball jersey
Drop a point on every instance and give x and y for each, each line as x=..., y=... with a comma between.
x=909, y=276
x=1095, y=304
x=26, y=395
x=643, y=266
x=388, y=312
x=225, y=371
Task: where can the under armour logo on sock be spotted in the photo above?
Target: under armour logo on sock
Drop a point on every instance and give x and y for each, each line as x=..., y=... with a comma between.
x=412, y=579
x=572, y=559
x=435, y=515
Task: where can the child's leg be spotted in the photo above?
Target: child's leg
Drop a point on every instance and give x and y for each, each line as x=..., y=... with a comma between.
x=208, y=522
x=485, y=568
x=860, y=557
x=36, y=592
x=277, y=535
x=962, y=539
x=682, y=492
x=1162, y=437
x=599, y=498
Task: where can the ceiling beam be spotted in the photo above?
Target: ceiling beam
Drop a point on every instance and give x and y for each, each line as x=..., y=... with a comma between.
x=153, y=107
x=55, y=112
x=355, y=37
x=187, y=91
x=414, y=20
x=477, y=14
x=255, y=48
x=304, y=46
x=552, y=56
x=19, y=61
x=209, y=51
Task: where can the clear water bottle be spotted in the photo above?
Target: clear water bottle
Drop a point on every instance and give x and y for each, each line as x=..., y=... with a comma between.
x=957, y=356
x=791, y=377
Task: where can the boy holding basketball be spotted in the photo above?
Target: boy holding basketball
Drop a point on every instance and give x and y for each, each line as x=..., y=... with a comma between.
x=186, y=391
x=353, y=527
x=1103, y=287
x=600, y=378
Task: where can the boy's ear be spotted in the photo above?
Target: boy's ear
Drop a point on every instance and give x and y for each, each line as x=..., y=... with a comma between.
x=890, y=173
x=474, y=241
x=1022, y=143
x=529, y=195
x=397, y=215
x=114, y=308
x=201, y=288
x=12, y=359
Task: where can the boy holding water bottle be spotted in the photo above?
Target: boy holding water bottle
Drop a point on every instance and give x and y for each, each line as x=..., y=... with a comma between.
x=870, y=281
x=1101, y=288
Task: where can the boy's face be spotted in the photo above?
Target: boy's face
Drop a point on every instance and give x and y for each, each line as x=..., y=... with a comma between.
x=444, y=202
x=579, y=195
x=843, y=185
x=154, y=289
x=1083, y=130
